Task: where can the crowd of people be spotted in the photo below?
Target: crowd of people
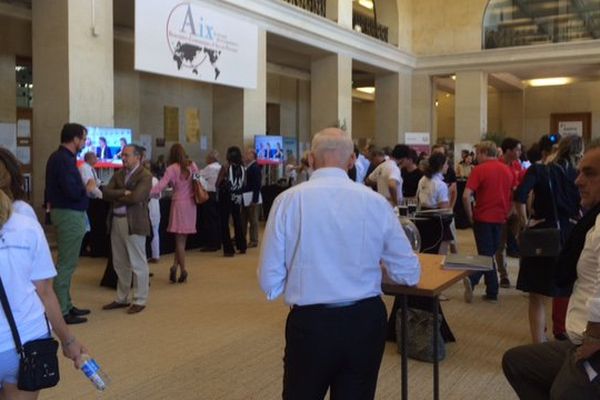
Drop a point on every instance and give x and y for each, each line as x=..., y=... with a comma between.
x=334, y=188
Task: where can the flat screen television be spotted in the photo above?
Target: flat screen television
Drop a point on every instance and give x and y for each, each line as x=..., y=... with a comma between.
x=107, y=144
x=269, y=149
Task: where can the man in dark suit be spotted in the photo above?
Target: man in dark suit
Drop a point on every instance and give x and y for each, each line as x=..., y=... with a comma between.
x=129, y=224
x=103, y=152
x=252, y=198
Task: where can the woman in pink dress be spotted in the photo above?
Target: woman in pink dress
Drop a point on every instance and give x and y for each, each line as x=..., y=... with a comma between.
x=182, y=220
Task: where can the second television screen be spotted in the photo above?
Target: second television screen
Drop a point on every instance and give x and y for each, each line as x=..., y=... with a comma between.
x=269, y=149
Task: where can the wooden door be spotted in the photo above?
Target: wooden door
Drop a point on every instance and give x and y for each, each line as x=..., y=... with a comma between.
x=575, y=123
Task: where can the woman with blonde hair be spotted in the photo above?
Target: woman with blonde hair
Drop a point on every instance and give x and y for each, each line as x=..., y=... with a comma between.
x=182, y=218
x=26, y=274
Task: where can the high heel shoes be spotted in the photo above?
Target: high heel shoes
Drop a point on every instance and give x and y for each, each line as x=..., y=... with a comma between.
x=173, y=274
x=183, y=277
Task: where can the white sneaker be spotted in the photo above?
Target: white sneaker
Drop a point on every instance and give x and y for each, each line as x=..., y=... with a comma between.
x=468, y=290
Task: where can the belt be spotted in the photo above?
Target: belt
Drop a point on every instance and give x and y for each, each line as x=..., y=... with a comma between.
x=341, y=304
x=119, y=215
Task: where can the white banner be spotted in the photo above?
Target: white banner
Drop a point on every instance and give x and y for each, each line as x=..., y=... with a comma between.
x=194, y=41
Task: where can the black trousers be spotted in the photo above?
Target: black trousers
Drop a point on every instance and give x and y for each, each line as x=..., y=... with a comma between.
x=210, y=223
x=339, y=349
x=229, y=208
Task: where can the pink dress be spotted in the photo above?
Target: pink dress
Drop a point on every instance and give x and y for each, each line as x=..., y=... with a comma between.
x=183, y=206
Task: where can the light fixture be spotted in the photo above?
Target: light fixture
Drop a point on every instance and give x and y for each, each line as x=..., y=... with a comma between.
x=550, y=81
x=366, y=4
x=366, y=89
x=453, y=77
x=437, y=103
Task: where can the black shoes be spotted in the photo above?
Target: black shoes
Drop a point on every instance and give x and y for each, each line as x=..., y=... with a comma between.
x=182, y=277
x=78, y=312
x=71, y=319
x=173, y=274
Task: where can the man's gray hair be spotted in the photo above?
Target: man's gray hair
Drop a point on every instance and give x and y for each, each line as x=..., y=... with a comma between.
x=332, y=140
x=213, y=154
x=137, y=150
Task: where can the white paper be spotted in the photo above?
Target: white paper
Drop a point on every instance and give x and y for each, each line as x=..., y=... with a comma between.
x=570, y=128
x=24, y=128
x=8, y=137
x=203, y=142
x=24, y=154
x=247, y=198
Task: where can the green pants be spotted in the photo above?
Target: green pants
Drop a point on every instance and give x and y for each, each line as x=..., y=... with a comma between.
x=70, y=229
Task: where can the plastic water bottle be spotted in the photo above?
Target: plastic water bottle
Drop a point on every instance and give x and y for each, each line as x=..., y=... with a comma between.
x=92, y=371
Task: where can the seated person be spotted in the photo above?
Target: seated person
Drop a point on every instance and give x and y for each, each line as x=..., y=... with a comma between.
x=569, y=369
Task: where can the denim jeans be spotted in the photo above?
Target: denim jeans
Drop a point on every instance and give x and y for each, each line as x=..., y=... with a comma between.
x=487, y=239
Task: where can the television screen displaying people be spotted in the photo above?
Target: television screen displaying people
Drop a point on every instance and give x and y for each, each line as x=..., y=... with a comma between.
x=107, y=143
x=269, y=149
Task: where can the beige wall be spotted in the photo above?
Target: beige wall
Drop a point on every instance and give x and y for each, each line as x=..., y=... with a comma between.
x=140, y=99
x=8, y=98
x=363, y=119
x=539, y=103
x=293, y=97
x=445, y=115
x=446, y=27
x=15, y=36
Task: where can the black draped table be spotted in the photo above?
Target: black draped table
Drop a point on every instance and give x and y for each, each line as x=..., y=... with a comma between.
x=98, y=240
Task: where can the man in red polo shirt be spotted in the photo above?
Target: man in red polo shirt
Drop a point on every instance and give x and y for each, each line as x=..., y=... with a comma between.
x=511, y=150
x=492, y=182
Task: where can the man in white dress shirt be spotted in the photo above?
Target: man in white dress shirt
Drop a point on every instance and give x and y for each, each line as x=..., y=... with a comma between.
x=388, y=177
x=88, y=172
x=331, y=276
x=570, y=369
x=209, y=214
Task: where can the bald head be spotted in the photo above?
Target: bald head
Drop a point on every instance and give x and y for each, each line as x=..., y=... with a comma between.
x=332, y=147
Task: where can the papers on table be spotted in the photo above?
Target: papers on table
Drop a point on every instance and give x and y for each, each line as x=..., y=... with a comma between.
x=472, y=263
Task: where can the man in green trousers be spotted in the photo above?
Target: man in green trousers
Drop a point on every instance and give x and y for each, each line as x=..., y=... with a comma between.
x=66, y=195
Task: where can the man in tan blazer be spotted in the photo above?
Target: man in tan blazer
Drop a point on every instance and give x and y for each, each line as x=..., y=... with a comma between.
x=129, y=224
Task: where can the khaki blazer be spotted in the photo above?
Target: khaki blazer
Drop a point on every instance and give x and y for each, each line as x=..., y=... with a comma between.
x=139, y=184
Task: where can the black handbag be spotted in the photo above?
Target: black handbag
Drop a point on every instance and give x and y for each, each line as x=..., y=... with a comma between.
x=38, y=365
x=542, y=242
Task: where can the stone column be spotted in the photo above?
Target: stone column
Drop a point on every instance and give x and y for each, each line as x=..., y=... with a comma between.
x=239, y=114
x=340, y=11
x=72, y=47
x=392, y=107
x=422, y=105
x=8, y=89
x=331, y=92
x=471, y=107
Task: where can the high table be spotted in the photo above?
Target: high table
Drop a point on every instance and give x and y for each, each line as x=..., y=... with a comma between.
x=434, y=280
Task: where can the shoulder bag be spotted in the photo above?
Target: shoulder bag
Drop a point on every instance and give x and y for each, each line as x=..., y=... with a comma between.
x=542, y=242
x=200, y=193
x=38, y=365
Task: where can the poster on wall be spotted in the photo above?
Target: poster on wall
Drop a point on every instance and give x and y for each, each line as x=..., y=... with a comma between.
x=192, y=125
x=195, y=40
x=570, y=128
x=419, y=141
x=171, y=119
